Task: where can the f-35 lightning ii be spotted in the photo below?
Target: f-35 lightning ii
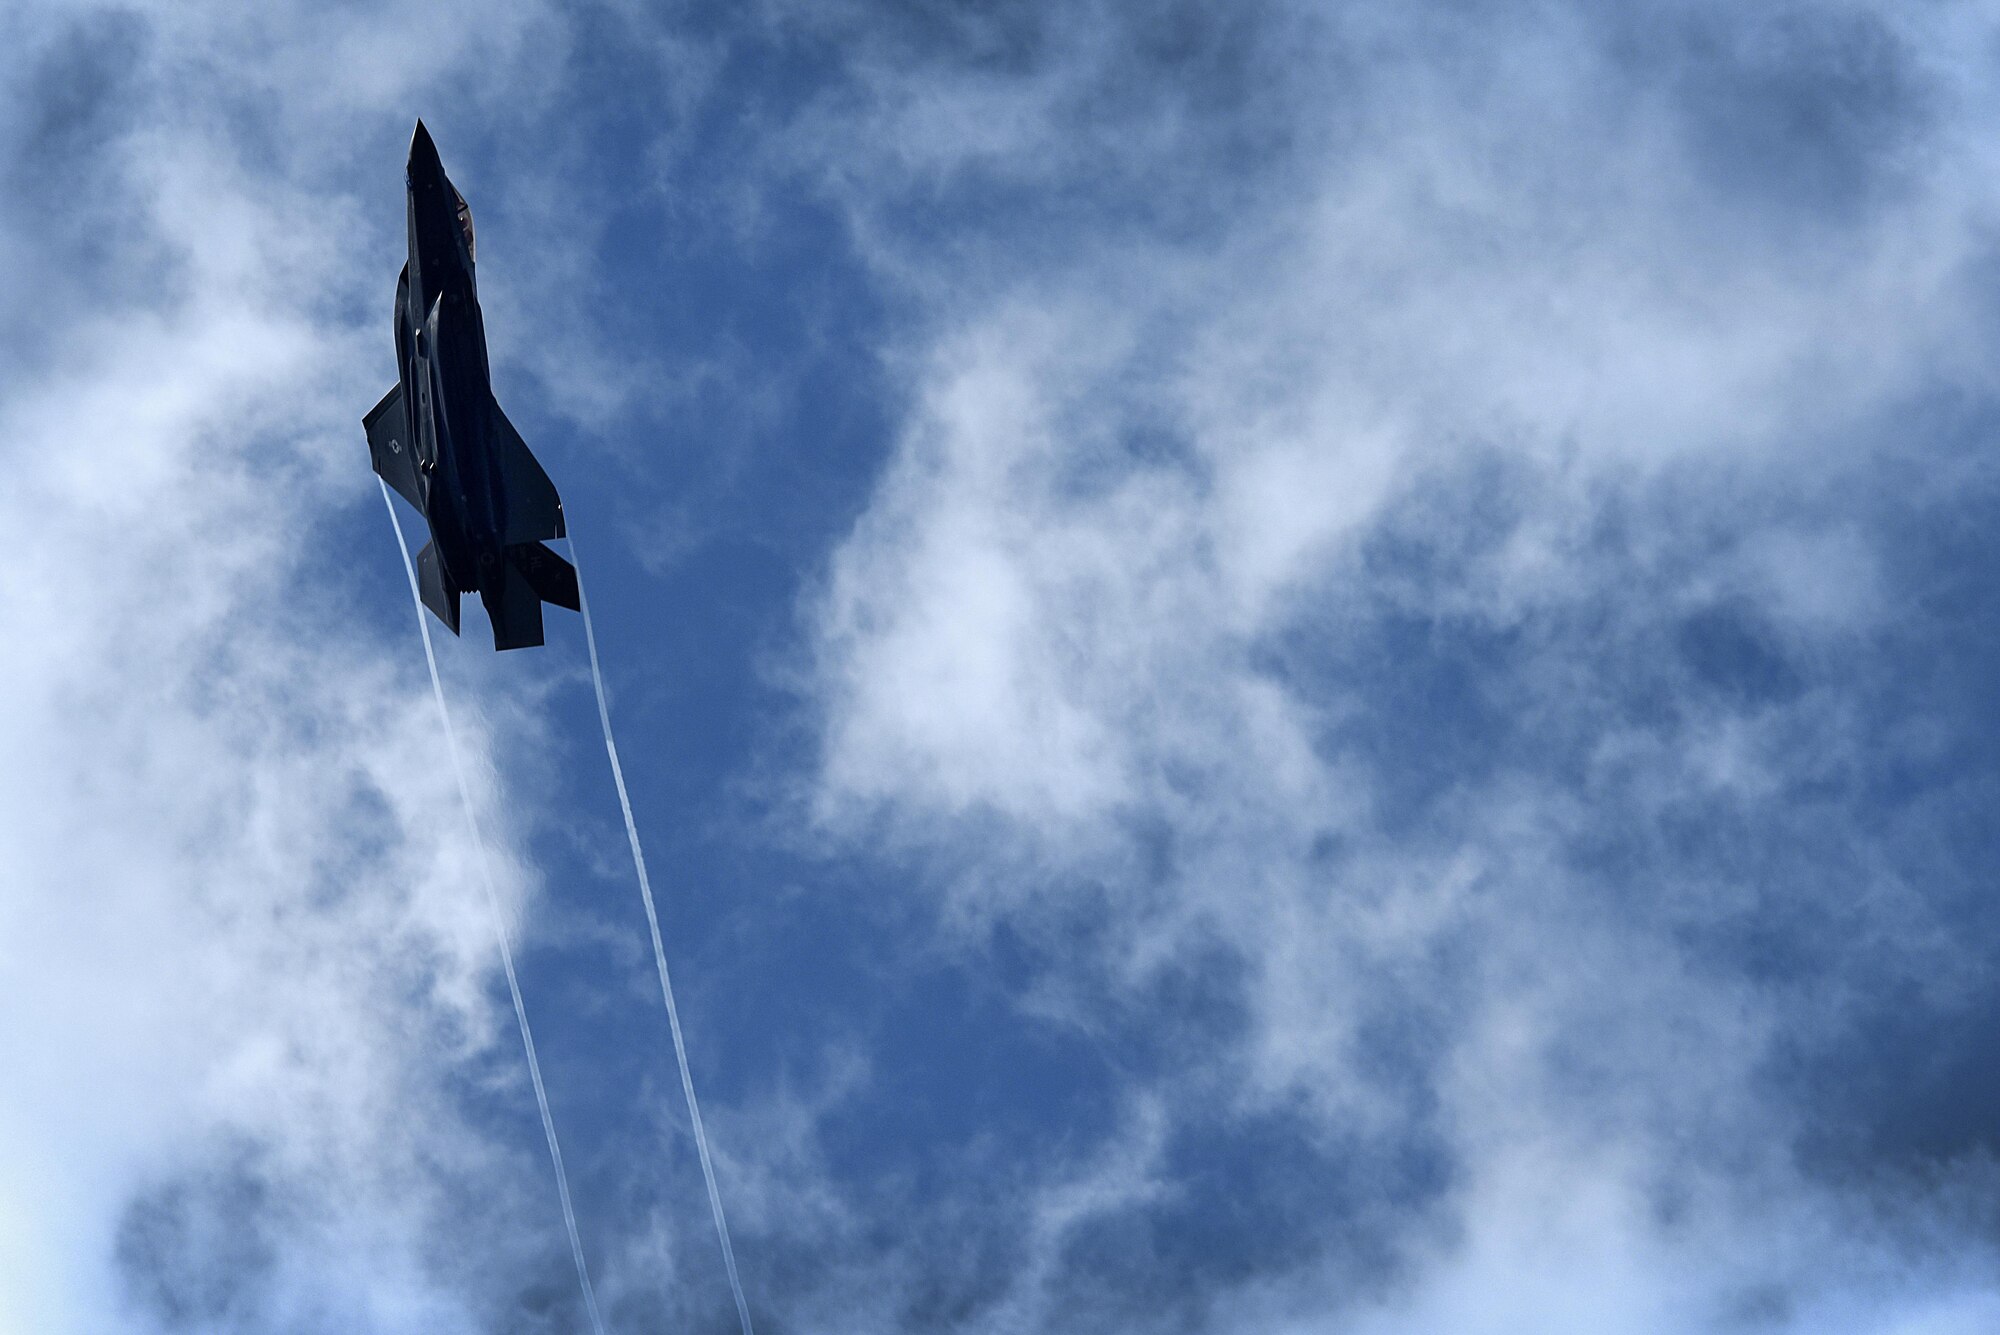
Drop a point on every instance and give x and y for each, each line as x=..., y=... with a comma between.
x=442, y=442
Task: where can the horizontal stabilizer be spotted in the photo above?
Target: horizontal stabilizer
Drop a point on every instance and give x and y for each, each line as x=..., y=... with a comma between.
x=435, y=589
x=530, y=576
x=552, y=578
x=534, y=509
x=390, y=446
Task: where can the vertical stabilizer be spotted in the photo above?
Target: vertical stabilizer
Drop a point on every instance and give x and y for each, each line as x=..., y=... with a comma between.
x=515, y=610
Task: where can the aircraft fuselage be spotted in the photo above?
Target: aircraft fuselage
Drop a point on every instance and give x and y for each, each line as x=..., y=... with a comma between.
x=441, y=339
x=440, y=440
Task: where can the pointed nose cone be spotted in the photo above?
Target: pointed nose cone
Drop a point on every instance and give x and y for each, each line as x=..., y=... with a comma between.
x=423, y=153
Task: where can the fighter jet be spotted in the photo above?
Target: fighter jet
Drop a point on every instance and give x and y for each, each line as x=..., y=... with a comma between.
x=442, y=442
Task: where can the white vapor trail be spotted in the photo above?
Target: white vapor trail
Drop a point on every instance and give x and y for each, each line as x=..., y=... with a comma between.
x=500, y=928
x=659, y=954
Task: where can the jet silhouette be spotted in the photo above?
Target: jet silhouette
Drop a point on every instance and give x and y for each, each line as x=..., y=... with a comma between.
x=441, y=441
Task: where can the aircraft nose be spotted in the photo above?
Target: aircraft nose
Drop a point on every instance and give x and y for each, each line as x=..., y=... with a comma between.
x=423, y=153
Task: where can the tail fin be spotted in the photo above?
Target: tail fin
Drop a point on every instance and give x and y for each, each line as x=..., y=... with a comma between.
x=438, y=595
x=531, y=576
x=514, y=610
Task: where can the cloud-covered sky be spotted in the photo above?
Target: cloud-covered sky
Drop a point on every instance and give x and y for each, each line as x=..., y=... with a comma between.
x=1287, y=668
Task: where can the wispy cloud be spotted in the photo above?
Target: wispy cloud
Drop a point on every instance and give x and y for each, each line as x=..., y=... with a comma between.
x=1399, y=741
x=1455, y=577
x=248, y=965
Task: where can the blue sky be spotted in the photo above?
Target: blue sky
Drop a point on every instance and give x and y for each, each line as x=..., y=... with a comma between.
x=1286, y=668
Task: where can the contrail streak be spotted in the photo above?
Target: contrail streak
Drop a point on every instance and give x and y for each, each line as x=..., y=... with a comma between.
x=660, y=954
x=500, y=929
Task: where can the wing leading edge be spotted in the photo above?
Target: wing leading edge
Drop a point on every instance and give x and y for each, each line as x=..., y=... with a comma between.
x=534, y=509
x=531, y=573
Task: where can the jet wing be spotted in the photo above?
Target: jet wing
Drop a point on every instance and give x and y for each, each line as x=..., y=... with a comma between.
x=395, y=457
x=534, y=510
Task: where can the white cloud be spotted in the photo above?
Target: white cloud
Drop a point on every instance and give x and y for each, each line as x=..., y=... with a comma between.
x=1252, y=398
x=244, y=948
x=1512, y=348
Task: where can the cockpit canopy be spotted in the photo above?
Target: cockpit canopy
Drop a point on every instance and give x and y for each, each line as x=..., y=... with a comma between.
x=465, y=224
